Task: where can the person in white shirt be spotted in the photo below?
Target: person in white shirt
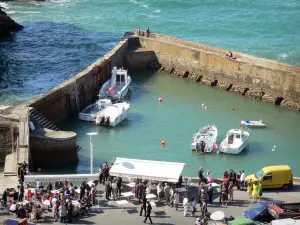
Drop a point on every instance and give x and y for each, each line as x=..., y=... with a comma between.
x=242, y=179
x=185, y=204
x=13, y=207
x=176, y=200
x=114, y=190
x=159, y=192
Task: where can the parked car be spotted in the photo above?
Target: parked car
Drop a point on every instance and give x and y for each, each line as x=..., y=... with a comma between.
x=273, y=177
x=260, y=212
x=286, y=222
x=242, y=221
x=284, y=210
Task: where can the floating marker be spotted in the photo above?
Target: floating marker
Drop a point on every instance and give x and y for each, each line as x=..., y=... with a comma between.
x=205, y=107
x=202, y=105
x=163, y=142
x=277, y=132
x=232, y=108
x=160, y=99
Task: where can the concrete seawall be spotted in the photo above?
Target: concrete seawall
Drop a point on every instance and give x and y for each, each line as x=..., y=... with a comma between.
x=263, y=79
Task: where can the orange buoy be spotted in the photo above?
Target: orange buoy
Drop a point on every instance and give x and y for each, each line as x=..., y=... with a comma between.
x=163, y=142
x=160, y=99
x=111, y=90
x=241, y=125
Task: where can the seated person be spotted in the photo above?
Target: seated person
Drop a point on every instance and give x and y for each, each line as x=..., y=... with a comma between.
x=21, y=212
x=229, y=55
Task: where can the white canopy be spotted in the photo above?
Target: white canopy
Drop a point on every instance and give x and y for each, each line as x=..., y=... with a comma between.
x=147, y=169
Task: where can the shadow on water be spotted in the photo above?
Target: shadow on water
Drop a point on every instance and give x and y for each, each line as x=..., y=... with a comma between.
x=45, y=54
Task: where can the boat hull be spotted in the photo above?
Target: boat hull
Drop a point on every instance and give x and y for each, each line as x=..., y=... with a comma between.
x=232, y=150
x=86, y=117
x=256, y=124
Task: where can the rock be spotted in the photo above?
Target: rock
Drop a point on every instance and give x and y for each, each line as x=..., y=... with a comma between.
x=206, y=81
x=255, y=93
x=268, y=98
x=225, y=86
x=7, y=25
x=290, y=104
x=240, y=89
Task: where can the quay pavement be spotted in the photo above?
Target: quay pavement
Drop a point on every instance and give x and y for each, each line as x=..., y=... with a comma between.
x=165, y=215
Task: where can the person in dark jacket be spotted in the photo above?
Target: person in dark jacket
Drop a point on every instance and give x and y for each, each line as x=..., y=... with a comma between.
x=119, y=185
x=210, y=193
x=69, y=211
x=107, y=190
x=4, y=196
x=82, y=190
x=179, y=183
x=149, y=209
x=143, y=206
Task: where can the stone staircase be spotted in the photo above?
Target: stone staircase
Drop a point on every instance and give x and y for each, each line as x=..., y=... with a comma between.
x=40, y=121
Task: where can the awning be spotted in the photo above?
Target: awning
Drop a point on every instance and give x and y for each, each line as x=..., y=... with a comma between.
x=147, y=169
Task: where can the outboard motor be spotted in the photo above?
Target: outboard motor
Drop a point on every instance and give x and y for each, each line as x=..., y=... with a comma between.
x=202, y=148
x=107, y=121
x=102, y=120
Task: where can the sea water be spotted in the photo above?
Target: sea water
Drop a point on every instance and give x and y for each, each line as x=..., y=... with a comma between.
x=62, y=37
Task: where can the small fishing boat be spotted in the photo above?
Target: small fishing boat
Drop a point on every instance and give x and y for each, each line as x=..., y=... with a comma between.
x=235, y=141
x=205, y=139
x=118, y=86
x=90, y=112
x=113, y=114
x=253, y=123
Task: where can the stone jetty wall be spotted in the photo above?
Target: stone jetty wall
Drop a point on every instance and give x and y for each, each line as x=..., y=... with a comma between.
x=263, y=79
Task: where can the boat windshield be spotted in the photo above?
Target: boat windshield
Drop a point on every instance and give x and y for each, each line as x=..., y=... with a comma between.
x=259, y=174
x=257, y=209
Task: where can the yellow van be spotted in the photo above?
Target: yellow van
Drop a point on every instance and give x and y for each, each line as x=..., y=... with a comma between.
x=273, y=177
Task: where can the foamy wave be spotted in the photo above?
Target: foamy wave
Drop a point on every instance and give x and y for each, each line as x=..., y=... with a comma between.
x=141, y=4
x=145, y=6
x=284, y=55
x=156, y=11
x=29, y=12
x=10, y=12
x=4, y=5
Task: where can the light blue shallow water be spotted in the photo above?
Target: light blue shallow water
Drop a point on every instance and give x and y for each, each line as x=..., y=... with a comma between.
x=62, y=37
x=181, y=114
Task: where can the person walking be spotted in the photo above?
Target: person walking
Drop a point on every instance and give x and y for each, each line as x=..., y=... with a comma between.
x=203, y=208
x=107, y=190
x=167, y=189
x=193, y=205
x=159, y=192
x=242, y=179
x=119, y=185
x=210, y=192
x=255, y=192
x=114, y=190
x=143, y=206
x=185, y=204
x=148, y=215
x=62, y=212
x=230, y=191
x=176, y=200
x=259, y=188
x=249, y=187
x=70, y=211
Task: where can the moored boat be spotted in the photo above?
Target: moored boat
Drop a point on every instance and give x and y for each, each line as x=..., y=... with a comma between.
x=118, y=86
x=205, y=139
x=254, y=123
x=236, y=141
x=90, y=112
x=113, y=114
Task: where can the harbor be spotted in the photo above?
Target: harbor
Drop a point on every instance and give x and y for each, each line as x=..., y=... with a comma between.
x=176, y=88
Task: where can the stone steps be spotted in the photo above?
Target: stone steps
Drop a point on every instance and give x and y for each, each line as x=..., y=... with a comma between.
x=39, y=118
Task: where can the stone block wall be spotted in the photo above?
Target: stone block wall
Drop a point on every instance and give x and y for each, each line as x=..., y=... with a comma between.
x=251, y=76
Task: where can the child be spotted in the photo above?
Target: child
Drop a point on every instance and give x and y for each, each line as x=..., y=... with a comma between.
x=249, y=186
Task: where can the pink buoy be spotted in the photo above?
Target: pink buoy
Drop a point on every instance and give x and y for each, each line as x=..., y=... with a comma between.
x=160, y=99
x=232, y=108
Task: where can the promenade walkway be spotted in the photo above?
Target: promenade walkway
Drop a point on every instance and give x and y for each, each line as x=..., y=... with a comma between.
x=165, y=215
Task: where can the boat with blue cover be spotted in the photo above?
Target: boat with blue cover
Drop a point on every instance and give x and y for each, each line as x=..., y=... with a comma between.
x=204, y=141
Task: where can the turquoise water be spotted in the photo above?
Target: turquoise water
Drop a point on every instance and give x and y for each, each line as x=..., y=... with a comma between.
x=181, y=114
x=62, y=37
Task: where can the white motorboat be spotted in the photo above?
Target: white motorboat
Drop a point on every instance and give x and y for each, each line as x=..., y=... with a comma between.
x=113, y=114
x=118, y=86
x=90, y=112
x=205, y=139
x=235, y=141
x=253, y=123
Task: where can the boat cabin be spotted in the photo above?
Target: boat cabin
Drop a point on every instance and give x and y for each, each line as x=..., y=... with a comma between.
x=119, y=77
x=235, y=135
x=284, y=210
